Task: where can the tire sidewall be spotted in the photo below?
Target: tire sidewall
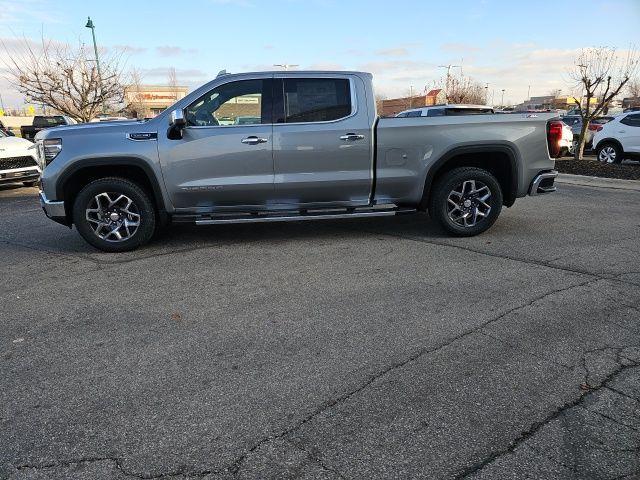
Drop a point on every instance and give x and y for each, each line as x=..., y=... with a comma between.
x=117, y=185
x=617, y=149
x=438, y=204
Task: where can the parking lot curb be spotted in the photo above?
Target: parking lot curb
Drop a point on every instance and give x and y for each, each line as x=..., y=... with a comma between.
x=601, y=182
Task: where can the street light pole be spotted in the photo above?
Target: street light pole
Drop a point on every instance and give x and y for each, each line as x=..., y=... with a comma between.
x=95, y=49
x=502, y=101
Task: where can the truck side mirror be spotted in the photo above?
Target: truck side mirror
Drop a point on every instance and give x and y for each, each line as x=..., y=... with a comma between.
x=178, y=122
x=177, y=118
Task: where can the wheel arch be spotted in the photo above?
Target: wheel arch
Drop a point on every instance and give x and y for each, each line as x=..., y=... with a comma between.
x=74, y=178
x=493, y=157
x=615, y=141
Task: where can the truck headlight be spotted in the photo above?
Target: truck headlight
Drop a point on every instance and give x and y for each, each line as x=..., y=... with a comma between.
x=51, y=148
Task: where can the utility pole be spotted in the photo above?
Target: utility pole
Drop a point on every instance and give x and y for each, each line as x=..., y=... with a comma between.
x=95, y=49
x=448, y=67
x=286, y=66
x=502, y=101
x=486, y=94
x=529, y=92
x=410, y=96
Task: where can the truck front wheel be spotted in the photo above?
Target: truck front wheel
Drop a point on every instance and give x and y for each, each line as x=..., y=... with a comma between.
x=466, y=201
x=114, y=214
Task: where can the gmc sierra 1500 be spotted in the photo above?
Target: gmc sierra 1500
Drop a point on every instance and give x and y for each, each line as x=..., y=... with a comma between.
x=285, y=146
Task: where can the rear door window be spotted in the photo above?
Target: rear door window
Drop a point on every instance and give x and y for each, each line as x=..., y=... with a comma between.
x=315, y=100
x=435, y=112
x=632, y=120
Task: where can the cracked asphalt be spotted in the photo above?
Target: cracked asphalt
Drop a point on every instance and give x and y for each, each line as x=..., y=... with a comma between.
x=360, y=349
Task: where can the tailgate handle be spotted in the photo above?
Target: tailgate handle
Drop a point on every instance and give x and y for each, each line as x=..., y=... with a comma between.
x=350, y=137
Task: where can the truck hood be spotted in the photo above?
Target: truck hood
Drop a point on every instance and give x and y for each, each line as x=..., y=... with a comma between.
x=96, y=127
x=14, y=147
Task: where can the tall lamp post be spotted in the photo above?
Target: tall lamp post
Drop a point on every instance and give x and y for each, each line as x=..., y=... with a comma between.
x=95, y=49
x=502, y=101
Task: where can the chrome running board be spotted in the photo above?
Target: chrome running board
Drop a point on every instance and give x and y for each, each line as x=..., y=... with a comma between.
x=303, y=215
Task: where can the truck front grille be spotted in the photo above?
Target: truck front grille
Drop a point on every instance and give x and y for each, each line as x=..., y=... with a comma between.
x=17, y=162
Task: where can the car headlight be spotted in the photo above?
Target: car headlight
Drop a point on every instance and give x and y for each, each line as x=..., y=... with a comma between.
x=51, y=148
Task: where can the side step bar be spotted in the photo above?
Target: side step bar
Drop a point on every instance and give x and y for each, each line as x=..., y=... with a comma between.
x=295, y=216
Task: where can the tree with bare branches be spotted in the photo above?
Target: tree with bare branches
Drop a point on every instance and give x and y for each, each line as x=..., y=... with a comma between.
x=134, y=101
x=462, y=89
x=65, y=78
x=633, y=87
x=600, y=73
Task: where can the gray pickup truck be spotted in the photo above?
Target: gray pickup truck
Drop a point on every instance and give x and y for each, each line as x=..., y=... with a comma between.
x=288, y=146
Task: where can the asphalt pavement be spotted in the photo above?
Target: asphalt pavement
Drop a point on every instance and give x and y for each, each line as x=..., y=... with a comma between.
x=364, y=348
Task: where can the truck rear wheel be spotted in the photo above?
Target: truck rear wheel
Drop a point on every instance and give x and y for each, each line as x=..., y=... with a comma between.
x=114, y=215
x=466, y=201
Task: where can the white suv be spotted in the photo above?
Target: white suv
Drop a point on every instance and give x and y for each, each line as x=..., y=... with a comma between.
x=618, y=139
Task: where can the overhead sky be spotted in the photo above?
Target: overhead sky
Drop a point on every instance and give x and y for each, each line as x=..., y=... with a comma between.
x=509, y=44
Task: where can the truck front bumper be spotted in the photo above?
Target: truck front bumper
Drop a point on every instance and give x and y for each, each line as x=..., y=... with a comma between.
x=54, y=210
x=544, y=182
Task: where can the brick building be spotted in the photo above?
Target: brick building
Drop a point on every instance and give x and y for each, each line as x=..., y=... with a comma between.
x=393, y=106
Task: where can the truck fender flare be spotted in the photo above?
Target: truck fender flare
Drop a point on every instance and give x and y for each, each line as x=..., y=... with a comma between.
x=113, y=161
x=502, y=147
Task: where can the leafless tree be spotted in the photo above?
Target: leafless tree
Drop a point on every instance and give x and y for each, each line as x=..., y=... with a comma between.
x=65, y=78
x=133, y=97
x=462, y=89
x=172, y=81
x=600, y=73
x=633, y=87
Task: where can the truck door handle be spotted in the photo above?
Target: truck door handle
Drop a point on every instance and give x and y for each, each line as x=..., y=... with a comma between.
x=253, y=140
x=350, y=137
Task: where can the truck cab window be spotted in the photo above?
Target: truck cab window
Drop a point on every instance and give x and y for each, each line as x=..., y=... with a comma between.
x=315, y=100
x=234, y=103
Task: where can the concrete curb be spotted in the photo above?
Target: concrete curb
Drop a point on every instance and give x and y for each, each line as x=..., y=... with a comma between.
x=615, y=183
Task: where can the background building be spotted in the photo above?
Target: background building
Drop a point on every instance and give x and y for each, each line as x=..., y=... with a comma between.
x=394, y=106
x=149, y=100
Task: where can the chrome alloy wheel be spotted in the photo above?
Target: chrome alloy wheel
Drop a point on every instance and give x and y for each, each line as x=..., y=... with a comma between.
x=607, y=155
x=113, y=217
x=467, y=203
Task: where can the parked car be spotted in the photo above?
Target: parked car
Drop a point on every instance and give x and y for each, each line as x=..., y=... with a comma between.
x=567, y=143
x=18, y=161
x=575, y=122
x=40, y=122
x=618, y=139
x=441, y=110
x=319, y=152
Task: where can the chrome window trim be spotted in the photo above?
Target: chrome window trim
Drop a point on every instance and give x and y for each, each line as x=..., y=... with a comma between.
x=284, y=75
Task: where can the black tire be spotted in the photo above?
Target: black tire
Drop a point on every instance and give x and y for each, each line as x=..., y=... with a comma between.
x=439, y=205
x=610, y=152
x=32, y=183
x=141, y=210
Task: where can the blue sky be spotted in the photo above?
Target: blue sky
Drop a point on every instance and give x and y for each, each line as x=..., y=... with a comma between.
x=509, y=44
